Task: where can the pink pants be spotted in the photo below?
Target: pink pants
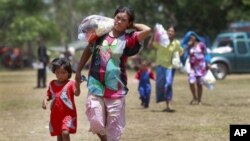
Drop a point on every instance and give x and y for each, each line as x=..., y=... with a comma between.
x=106, y=116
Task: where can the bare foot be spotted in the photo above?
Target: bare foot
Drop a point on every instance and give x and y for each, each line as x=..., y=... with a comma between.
x=193, y=102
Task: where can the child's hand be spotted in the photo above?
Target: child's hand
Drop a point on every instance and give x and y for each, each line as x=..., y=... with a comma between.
x=44, y=104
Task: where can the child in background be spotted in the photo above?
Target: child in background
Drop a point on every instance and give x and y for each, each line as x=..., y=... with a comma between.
x=143, y=75
x=61, y=91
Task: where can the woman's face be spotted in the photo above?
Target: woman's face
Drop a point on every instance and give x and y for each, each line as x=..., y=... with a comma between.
x=171, y=32
x=121, y=21
x=191, y=40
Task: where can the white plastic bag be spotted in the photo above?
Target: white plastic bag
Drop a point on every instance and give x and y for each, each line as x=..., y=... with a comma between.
x=176, y=62
x=101, y=24
x=38, y=65
x=209, y=80
x=160, y=35
x=186, y=68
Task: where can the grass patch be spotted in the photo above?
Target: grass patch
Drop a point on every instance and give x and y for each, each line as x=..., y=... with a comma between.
x=22, y=118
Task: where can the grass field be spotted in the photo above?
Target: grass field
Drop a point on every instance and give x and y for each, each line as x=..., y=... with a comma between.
x=22, y=118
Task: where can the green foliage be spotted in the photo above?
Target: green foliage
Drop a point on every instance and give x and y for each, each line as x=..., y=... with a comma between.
x=24, y=29
x=23, y=21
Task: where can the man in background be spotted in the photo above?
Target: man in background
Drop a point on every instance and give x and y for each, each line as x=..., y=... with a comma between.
x=43, y=59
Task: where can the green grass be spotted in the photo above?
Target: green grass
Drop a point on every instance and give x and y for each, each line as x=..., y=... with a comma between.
x=22, y=118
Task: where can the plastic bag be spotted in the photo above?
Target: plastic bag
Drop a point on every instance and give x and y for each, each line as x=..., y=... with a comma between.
x=186, y=68
x=101, y=24
x=160, y=35
x=176, y=62
x=209, y=80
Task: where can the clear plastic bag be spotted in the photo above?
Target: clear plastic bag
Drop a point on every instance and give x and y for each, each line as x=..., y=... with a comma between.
x=160, y=35
x=101, y=24
x=209, y=80
x=176, y=62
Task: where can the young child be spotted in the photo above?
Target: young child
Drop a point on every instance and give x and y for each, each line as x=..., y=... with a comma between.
x=143, y=75
x=61, y=91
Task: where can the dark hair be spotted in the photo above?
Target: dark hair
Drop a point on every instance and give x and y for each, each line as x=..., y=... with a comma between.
x=61, y=62
x=128, y=10
x=172, y=26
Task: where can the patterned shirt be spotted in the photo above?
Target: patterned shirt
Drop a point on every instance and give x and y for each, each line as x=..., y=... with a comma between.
x=107, y=75
x=197, y=59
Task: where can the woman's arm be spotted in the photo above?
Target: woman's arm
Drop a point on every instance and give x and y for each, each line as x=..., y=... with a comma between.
x=84, y=58
x=143, y=31
x=150, y=42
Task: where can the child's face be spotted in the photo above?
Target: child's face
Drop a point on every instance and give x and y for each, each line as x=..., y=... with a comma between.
x=143, y=66
x=62, y=74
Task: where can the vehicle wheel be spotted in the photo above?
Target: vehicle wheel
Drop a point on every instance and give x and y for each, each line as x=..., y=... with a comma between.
x=219, y=70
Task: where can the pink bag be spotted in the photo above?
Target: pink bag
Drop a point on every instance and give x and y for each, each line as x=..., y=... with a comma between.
x=160, y=35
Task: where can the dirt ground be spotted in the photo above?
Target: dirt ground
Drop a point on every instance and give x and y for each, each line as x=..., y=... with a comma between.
x=23, y=119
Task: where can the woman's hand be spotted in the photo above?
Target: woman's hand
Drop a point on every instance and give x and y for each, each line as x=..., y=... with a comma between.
x=208, y=67
x=78, y=90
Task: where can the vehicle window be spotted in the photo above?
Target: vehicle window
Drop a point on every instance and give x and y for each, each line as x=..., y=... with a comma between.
x=242, y=48
x=225, y=43
x=240, y=37
x=248, y=35
x=249, y=45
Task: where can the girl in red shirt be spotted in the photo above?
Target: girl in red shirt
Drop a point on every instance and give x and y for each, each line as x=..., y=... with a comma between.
x=61, y=91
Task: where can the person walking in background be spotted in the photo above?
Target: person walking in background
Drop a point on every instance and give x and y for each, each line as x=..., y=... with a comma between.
x=199, y=64
x=43, y=59
x=164, y=70
x=107, y=80
x=61, y=92
x=143, y=75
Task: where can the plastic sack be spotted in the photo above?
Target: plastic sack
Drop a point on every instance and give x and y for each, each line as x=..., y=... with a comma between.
x=209, y=80
x=160, y=35
x=186, y=67
x=101, y=24
x=176, y=62
x=38, y=65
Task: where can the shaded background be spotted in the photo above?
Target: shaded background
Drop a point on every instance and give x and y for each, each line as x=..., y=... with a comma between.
x=23, y=22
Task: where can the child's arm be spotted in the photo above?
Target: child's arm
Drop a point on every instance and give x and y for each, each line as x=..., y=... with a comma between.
x=137, y=75
x=152, y=75
x=47, y=98
x=45, y=102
